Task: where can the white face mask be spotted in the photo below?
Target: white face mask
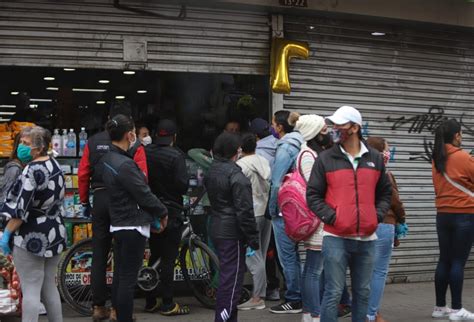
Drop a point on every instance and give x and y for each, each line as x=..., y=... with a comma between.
x=146, y=140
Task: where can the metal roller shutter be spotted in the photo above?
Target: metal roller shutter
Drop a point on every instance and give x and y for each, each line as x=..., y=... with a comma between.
x=404, y=84
x=91, y=34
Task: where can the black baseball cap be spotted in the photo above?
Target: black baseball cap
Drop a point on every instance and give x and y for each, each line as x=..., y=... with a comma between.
x=259, y=126
x=165, y=132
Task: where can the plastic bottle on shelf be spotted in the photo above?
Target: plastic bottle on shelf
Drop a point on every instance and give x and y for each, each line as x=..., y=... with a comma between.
x=64, y=139
x=71, y=143
x=82, y=141
x=56, y=142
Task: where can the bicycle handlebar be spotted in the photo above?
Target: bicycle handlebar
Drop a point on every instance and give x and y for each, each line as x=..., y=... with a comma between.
x=172, y=204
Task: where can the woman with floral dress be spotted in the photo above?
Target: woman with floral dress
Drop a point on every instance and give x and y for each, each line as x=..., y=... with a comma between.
x=34, y=209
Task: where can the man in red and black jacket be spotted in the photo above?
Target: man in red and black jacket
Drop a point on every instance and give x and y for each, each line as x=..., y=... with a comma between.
x=90, y=176
x=351, y=193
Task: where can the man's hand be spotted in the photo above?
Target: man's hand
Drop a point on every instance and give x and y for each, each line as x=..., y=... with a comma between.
x=86, y=210
x=159, y=225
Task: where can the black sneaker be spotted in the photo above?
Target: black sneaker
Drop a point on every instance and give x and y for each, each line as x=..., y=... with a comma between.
x=344, y=311
x=288, y=308
x=152, y=306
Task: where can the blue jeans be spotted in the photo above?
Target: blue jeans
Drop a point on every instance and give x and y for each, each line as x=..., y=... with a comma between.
x=289, y=259
x=383, y=253
x=455, y=236
x=310, y=282
x=338, y=254
x=345, y=297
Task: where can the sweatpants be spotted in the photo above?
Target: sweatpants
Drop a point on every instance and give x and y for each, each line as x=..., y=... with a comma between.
x=256, y=262
x=38, y=282
x=231, y=255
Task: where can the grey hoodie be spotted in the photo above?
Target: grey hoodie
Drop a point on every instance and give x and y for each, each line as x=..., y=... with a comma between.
x=266, y=147
x=257, y=169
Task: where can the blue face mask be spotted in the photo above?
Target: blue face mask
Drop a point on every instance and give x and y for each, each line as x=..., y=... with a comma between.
x=24, y=153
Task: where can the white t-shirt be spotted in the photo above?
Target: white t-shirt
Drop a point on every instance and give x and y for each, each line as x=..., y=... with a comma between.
x=143, y=230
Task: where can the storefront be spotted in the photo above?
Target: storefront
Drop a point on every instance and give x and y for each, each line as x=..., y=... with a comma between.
x=65, y=64
x=199, y=64
x=405, y=79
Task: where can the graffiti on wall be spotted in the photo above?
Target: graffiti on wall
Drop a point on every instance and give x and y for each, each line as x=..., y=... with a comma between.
x=426, y=122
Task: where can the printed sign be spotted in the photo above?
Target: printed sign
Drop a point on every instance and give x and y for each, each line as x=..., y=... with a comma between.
x=294, y=3
x=79, y=270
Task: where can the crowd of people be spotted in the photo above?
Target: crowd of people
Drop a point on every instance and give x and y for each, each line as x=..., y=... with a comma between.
x=351, y=202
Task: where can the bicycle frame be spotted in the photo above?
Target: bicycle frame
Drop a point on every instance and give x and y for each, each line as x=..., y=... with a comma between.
x=187, y=234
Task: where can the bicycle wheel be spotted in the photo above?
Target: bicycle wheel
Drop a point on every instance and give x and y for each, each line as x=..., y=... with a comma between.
x=74, y=276
x=200, y=268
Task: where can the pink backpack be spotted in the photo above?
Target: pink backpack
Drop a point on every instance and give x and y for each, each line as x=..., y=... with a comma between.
x=300, y=221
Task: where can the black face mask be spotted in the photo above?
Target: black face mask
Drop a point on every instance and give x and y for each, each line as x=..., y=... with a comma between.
x=325, y=140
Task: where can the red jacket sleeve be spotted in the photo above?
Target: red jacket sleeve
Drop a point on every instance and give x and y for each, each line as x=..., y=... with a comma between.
x=140, y=160
x=84, y=176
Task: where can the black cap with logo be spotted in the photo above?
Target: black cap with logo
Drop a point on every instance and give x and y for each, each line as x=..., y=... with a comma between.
x=165, y=132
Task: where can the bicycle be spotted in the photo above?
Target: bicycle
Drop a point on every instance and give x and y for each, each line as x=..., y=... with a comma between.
x=199, y=266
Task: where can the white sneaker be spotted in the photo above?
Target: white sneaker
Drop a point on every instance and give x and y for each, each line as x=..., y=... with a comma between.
x=441, y=312
x=306, y=317
x=316, y=319
x=461, y=315
x=250, y=305
x=42, y=310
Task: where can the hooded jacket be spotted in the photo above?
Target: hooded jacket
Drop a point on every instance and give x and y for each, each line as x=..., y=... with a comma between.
x=460, y=169
x=230, y=194
x=287, y=150
x=257, y=169
x=266, y=147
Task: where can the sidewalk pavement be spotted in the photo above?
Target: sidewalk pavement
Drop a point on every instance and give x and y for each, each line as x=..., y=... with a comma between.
x=402, y=302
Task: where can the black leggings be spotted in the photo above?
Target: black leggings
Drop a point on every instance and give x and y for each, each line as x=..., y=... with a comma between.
x=455, y=236
x=101, y=243
x=129, y=247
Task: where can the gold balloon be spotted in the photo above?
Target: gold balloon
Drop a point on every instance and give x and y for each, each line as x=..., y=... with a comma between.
x=282, y=51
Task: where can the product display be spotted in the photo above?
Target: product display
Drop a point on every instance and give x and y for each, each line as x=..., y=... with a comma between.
x=10, y=290
x=82, y=141
x=56, y=142
x=64, y=139
x=67, y=145
x=71, y=144
x=7, y=136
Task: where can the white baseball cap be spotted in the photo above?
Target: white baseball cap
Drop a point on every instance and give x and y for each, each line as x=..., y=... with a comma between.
x=346, y=114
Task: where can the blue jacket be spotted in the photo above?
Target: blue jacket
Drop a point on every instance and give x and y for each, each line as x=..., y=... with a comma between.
x=266, y=147
x=287, y=151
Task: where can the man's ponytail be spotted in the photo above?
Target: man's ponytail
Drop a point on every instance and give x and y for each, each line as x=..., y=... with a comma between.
x=444, y=134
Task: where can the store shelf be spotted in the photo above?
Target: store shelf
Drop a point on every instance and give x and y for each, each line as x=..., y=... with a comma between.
x=67, y=158
x=78, y=220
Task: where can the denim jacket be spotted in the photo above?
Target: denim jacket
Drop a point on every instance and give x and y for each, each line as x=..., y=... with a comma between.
x=287, y=150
